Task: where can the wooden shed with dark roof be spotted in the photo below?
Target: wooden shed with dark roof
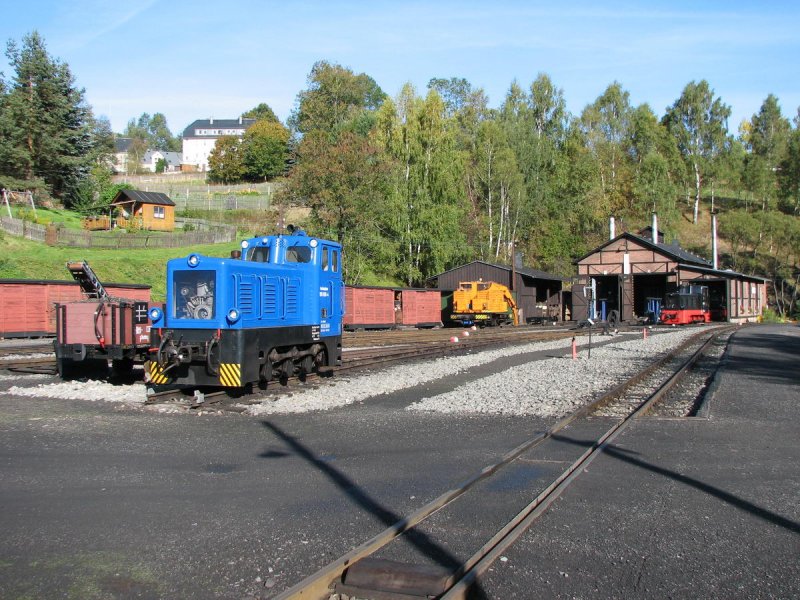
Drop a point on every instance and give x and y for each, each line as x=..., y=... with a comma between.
x=153, y=211
x=539, y=295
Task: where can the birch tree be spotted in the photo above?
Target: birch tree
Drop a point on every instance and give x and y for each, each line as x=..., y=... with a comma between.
x=699, y=123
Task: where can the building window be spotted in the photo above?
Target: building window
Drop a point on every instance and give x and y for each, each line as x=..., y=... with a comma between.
x=159, y=212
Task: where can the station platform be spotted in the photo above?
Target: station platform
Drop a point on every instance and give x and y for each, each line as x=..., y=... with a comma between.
x=702, y=507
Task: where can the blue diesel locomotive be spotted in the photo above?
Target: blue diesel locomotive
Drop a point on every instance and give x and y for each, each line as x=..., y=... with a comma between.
x=271, y=311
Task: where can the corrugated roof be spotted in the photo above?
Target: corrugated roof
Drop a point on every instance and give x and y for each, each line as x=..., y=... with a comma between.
x=142, y=197
x=533, y=273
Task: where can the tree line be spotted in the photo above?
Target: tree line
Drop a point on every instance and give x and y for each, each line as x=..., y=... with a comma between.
x=419, y=182
x=416, y=183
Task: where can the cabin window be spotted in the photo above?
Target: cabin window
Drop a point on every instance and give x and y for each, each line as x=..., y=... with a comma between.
x=324, y=259
x=258, y=254
x=298, y=254
x=159, y=212
x=335, y=261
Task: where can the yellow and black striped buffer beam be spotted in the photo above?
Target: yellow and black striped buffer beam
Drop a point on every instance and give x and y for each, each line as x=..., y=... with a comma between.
x=230, y=375
x=156, y=372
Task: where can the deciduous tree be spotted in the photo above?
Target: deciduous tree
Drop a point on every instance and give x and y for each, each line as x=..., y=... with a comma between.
x=225, y=161
x=699, y=123
x=264, y=150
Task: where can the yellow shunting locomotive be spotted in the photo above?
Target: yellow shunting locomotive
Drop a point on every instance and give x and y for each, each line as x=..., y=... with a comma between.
x=483, y=303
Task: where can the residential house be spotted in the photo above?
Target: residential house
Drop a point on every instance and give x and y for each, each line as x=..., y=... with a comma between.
x=200, y=137
x=148, y=162
x=121, y=147
x=172, y=159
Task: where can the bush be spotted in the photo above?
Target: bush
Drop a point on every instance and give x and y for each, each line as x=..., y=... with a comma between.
x=771, y=316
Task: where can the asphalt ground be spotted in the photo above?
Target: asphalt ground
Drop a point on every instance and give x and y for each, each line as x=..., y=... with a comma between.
x=683, y=508
x=99, y=502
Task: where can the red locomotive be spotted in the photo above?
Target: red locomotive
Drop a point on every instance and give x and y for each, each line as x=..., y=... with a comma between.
x=688, y=305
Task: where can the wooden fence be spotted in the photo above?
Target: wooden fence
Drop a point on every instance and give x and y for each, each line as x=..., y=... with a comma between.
x=206, y=233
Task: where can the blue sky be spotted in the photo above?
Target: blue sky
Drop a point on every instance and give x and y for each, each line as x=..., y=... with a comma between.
x=199, y=59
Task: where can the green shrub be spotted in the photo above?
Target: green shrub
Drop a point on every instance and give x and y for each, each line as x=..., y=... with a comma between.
x=771, y=316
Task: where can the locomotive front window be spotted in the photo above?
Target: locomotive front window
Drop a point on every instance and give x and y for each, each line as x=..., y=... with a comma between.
x=258, y=254
x=298, y=254
x=193, y=295
x=324, y=259
x=335, y=257
x=672, y=302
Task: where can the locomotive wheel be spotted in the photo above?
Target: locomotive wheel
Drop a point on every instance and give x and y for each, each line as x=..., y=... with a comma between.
x=286, y=370
x=266, y=375
x=306, y=366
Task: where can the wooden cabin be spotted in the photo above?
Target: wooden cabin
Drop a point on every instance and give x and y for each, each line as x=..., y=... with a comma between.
x=152, y=211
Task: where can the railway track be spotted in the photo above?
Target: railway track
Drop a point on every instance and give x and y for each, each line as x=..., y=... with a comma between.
x=388, y=566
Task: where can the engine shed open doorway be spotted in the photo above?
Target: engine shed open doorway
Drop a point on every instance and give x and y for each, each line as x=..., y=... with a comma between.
x=607, y=295
x=718, y=294
x=649, y=291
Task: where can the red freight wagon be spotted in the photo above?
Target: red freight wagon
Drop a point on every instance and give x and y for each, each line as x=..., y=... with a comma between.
x=92, y=332
x=368, y=308
x=421, y=308
x=27, y=307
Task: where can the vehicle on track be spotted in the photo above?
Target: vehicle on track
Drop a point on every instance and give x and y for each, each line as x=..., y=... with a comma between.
x=483, y=303
x=271, y=311
x=689, y=304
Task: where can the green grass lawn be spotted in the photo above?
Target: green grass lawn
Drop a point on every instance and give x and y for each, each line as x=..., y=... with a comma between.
x=24, y=259
x=45, y=216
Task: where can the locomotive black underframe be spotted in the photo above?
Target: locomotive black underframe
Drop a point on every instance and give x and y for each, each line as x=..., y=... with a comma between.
x=249, y=348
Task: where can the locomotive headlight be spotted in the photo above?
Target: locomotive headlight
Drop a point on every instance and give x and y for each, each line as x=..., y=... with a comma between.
x=193, y=260
x=155, y=314
x=233, y=315
x=245, y=244
x=313, y=243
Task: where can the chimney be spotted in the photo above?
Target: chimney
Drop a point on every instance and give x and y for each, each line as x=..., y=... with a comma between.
x=211, y=121
x=612, y=232
x=655, y=228
x=240, y=119
x=714, y=260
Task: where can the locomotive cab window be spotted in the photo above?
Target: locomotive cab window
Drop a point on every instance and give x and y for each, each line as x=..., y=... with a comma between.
x=298, y=254
x=193, y=295
x=335, y=260
x=258, y=254
x=324, y=259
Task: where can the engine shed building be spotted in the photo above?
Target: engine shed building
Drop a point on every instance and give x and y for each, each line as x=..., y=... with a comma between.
x=539, y=295
x=633, y=273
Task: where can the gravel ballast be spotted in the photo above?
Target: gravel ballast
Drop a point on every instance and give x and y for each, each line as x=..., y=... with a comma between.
x=549, y=387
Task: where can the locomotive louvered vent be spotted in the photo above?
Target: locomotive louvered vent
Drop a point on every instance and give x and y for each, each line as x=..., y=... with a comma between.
x=292, y=296
x=270, y=297
x=246, y=296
